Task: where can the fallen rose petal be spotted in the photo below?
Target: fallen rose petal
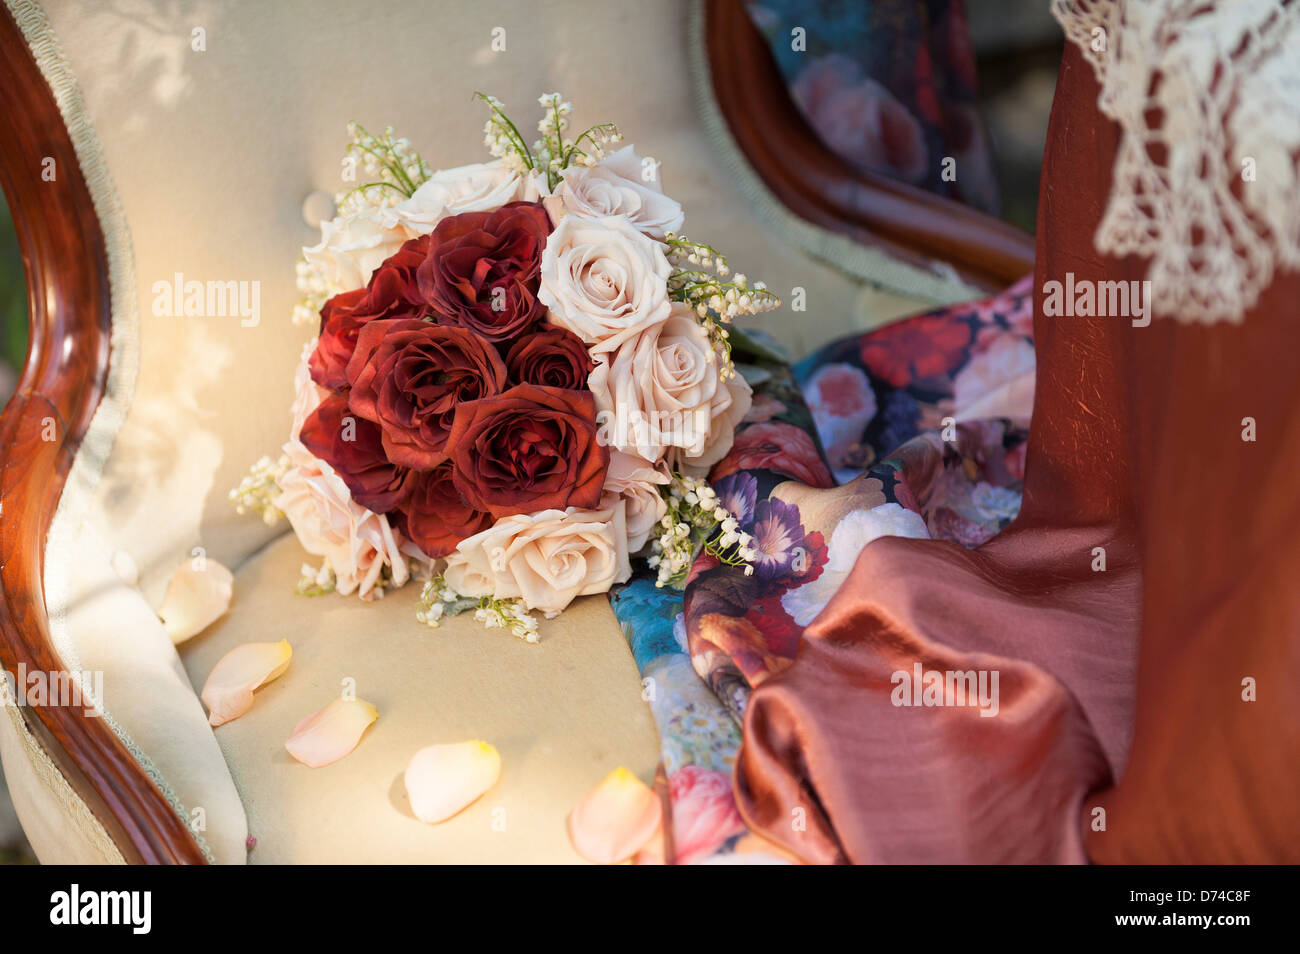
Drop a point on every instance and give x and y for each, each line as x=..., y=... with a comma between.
x=615, y=819
x=443, y=779
x=195, y=599
x=228, y=693
x=332, y=733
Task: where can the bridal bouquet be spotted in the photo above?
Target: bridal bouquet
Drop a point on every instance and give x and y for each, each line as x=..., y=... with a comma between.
x=521, y=379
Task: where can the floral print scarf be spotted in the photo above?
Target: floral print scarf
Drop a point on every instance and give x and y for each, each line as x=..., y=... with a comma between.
x=916, y=429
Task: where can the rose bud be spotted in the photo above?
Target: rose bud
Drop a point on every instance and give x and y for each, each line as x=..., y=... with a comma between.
x=409, y=375
x=530, y=448
x=482, y=270
x=354, y=447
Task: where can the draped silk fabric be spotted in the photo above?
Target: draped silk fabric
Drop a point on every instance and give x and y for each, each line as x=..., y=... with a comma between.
x=1141, y=612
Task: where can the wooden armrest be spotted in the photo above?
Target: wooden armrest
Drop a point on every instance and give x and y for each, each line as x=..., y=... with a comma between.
x=62, y=384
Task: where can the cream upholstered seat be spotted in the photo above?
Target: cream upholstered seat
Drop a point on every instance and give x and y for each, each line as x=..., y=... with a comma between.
x=216, y=121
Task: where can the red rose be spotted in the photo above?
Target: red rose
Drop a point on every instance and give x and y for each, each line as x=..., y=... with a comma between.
x=531, y=448
x=776, y=446
x=391, y=293
x=436, y=516
x=354, y=448
x=408, y=375
x=554, y=358
x=483, y=268
x=916, y=349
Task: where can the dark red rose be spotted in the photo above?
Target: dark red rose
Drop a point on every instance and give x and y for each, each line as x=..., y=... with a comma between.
x=530, y=448
x=553, y=357
x=354, y=448
x=483, y=268
x=916, y=349
x=436, y=516
x=391, y=293
x=408, y=375
x=338, y=337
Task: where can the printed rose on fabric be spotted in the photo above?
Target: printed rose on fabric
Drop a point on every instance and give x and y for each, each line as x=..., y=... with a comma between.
x=409, y=376
x=617, y=185
x=603, y=280
x=860, y=119
x=392, y=293
x=779, y=447
x=998, y=381
x=916, y=349
x=436, y=516
x=354, y=447
x=529, y=448
x=704, y=813
x=842, y=404
x=547, y=559
x=481, y=272
x=553, y=358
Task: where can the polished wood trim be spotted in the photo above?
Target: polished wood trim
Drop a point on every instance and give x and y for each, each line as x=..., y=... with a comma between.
x=67, y=367
x=817, y=185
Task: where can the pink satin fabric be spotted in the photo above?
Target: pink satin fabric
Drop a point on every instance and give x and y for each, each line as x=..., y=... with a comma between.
x=1135, y=449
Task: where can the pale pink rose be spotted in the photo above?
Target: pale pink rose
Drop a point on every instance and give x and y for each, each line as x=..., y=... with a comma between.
x=658, y=389
x=704, y=813
x=637, y=483
x=546, y=559
x=355, y=542
x=603, y=280
x=478, y=187
x=621, y=184
x=352, y=246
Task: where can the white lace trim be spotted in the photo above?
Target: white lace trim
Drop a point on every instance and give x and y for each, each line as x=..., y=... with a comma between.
x=1207, y=93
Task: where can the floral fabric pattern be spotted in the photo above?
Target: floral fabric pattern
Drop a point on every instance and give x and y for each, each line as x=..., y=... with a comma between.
x=871, y=436
x=889, y=85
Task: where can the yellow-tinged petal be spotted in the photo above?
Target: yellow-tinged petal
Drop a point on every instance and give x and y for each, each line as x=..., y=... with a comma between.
x=443, y=779
x=195, y=599
x=615, y=819
x=326, y=736
x=228, y=693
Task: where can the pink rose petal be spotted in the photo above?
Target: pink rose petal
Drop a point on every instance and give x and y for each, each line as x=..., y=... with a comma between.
x=443, y=779
x=615, y=819
x=195, y=599
x=332, y=733
x=228, y=693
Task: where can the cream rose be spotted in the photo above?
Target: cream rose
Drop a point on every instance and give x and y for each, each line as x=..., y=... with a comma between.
x=617, y=186
x=637, y=483
x=355, y=542
x=603, y=280
x=545, y=559
x=353, y=246
x=479, y=187
x=659, y=389
x=731, y=402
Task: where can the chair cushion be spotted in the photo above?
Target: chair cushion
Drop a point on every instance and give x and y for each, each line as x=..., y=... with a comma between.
x=563, y=714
